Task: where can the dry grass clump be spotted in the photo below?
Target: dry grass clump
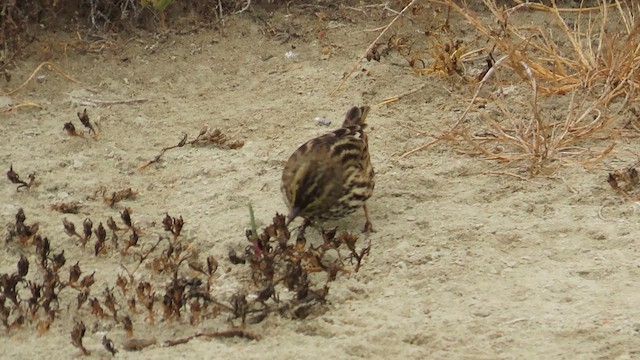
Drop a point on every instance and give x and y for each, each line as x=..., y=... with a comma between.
x=590, y=53
x=594, y=47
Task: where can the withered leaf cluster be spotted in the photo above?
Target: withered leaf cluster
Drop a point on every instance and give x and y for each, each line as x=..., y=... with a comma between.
x=31, y=299
x=216, y=137
x=84, y=119
x=277, y=262
x=205, y=137
x=20, y=231
x=70, y=129
x=114, y=197
x=285, y=276
x=100, y=232
x=72, y=207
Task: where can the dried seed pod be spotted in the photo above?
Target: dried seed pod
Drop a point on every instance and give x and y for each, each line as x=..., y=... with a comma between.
x=96, y=309
x=20, y=216
x=36, y=293
x=23, y=266
x=212, y=265
x=133, y=239
x=13, y=176
x=83, y=296
x=70, y=129
x=21, y=228
x=166, y=306
x=173, y=225
x=84, y=119
x=140, y=291
x=42, y=249
x=624, y=180
x=111, y=224
x=77, y=334
x=167, y=223
x=122, y=283
x=114, y=240
x=87, y=226
x=70, y=228
x=8, y=284
x=88, y=280
x=101, y=233
x=125, y=215
x=74, y=273
x=108, y=344
x=98, y=247
x=43, y=246
x=131, y=304
x=59, y=260
x=178, y=223
x=110, y=302
x=329, y=235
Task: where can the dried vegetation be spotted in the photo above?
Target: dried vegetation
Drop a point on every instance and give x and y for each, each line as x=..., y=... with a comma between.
x=280, y=277
x=588, y=53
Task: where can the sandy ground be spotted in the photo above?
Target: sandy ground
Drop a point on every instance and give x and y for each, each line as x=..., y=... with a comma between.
x=464, y=263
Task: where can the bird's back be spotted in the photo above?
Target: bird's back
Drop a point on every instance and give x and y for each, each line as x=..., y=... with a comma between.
x=331, y=175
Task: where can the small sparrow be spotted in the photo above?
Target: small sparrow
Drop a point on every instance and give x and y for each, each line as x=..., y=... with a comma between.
x=331, y=176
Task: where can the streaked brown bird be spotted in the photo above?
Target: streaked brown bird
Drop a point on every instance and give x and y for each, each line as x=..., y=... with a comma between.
x=331, y=176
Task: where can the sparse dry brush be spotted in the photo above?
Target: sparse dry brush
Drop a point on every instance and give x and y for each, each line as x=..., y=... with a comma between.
x=593, y=58
x=282, y=277
x=590, y=54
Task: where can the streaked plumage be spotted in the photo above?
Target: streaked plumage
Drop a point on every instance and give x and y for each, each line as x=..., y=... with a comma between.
x=331, y=176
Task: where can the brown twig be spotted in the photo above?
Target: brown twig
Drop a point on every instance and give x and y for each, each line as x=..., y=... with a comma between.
x=182, y=142
x=205, y=137
x=594, y=59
